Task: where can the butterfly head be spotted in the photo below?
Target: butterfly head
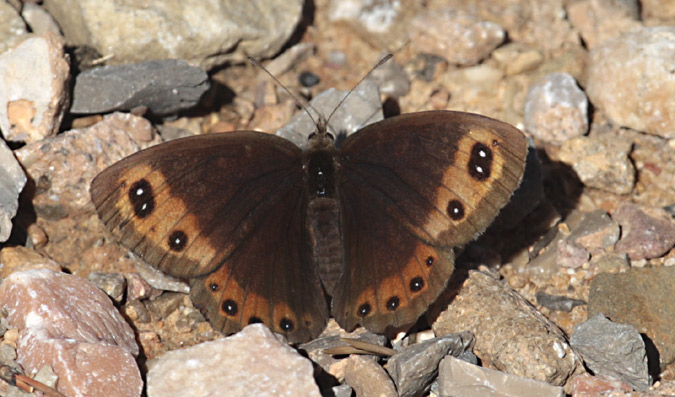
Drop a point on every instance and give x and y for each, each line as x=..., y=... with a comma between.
x=321, y=138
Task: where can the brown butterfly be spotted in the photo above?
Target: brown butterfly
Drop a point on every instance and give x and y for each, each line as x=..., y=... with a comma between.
x=250, y=218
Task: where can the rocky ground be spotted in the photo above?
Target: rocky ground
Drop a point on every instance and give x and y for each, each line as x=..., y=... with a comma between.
x=568, y=293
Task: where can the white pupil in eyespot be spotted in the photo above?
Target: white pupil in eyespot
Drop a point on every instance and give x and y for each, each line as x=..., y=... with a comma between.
x=482, y=153
x=479, y=169
x=139, y=191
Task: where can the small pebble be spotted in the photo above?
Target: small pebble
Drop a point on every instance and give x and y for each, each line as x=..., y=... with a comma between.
x=557, y=302
x=556, y=109
x=111, y=283
x=308, y=79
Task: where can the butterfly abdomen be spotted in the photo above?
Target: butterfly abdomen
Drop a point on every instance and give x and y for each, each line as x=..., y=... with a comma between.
x=324, y=231
x=323, y=212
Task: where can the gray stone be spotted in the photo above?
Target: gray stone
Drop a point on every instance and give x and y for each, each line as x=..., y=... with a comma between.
x=250, y=363
x=113, y=284
x=392, y=79
x=461, y=379
x=613, y=349
x=595, y=231
x=414, y=367
x=204, y=32
x=557, y=302
x=12, y=181
x=163, y=86
x=556, y=109
x=643, y=298
x=362, y=107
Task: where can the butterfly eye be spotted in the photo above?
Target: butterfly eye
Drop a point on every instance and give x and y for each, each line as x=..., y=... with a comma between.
x=142, y=198
x=456, y=210
x=364, y=309
x=480, y=162
x=286, y=325
x=230, y=307
x=177, y=240
x=330, y=136
x=416, y=284
x=311, y=136
x=393, y=303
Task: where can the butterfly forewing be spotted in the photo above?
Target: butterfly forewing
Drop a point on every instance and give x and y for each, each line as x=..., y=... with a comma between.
x=228, y=211
x=412, y=188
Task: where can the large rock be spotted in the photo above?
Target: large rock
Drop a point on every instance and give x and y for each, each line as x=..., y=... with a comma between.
x=250, y=363
x=206, y=32
x=71, y=325
x=630, y=78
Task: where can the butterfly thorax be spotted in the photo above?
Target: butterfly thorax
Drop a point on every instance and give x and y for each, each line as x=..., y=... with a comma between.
x=320, y=165
x=323, y=208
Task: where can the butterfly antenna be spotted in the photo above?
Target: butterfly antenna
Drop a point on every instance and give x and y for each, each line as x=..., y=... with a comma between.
x=304, y=106
x=377, y=65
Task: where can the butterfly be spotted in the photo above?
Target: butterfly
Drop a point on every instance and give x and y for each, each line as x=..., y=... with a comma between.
x=264, y=231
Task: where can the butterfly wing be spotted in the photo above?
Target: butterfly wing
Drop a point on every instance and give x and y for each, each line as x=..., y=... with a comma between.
x=412, y=188
x=227, y=212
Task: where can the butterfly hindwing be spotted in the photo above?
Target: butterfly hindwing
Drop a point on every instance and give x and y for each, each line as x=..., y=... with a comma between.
x=412, y=188
x=226, y=211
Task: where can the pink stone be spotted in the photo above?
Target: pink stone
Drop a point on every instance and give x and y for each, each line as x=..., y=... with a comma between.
x=69, y=324
x=250, y=363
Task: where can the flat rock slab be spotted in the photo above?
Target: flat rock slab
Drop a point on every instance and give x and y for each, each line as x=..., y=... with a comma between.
x=163, y=86
x=461, y=379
